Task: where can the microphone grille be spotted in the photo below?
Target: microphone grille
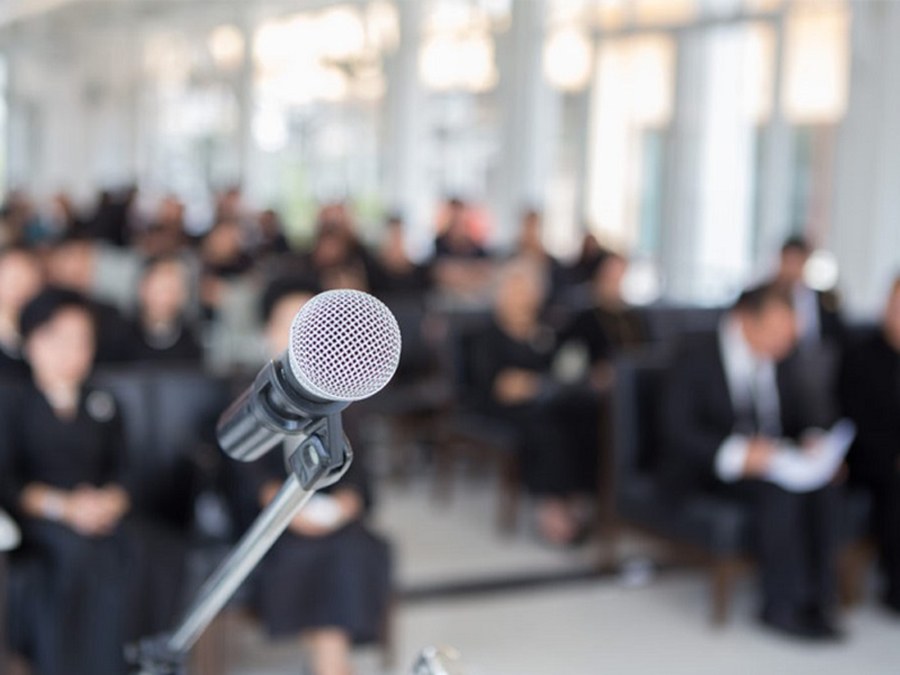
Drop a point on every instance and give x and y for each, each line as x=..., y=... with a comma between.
x=345, y=345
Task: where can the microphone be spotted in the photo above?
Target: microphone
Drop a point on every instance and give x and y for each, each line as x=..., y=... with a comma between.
x=344, y=347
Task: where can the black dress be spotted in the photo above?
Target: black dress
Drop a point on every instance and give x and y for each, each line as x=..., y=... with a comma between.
x=12, y=366
x=179, y=345
x=341, y=580
x=556, y=432
x=870, y=395
x=84, y=597
x=605, y=333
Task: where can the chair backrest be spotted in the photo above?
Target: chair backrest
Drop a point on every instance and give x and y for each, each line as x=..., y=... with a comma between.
x=665, y=324
x=637, y=399
x=168, y=415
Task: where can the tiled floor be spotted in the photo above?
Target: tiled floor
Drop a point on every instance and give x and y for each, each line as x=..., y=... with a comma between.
x=585, y=628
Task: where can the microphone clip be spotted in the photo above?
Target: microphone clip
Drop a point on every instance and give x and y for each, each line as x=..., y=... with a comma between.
x=323, y=455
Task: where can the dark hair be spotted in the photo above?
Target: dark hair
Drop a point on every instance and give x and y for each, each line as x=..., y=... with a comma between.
x=796, y=244
x=42, y=308
x=756, y=299
x=151, y=263
x=281, y=288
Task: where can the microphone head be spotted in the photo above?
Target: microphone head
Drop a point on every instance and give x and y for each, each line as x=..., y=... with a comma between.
x=345, y=345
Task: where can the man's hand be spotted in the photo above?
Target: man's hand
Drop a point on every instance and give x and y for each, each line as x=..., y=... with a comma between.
x=759, y=455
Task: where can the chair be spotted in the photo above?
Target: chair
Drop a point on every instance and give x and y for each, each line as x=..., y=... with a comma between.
x=415, y=401
x=714, y=527
x=466, y=428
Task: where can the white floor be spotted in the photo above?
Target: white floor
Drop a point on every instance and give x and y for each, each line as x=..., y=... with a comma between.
x=586, y=628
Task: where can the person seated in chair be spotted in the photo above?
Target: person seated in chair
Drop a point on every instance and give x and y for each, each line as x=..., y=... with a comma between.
x=62, y=476
x=609, y=327
x=870, y=396
x=728, y=405
x=161, y=331
x=514, y=358
x=327, y=580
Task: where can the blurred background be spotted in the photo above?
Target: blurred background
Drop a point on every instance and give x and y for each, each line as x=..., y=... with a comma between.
x=695, y=134
x=656, y=152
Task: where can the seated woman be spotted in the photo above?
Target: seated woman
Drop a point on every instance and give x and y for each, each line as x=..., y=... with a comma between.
x=327, y=580
x=161, y=331
x=515, y=356
x=609, y=327
x=20, y=280
x=62, y=473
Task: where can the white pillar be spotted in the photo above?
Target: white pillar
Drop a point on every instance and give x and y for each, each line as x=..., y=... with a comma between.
x=776, y=180
x=681, y=199
x=530, y=115
x=866, y=230
x=407, y=123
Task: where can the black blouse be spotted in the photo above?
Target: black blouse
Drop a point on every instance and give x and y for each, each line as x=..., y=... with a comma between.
x=37, y=446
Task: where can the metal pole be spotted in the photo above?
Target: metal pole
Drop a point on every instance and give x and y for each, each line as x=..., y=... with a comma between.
x=219, y=588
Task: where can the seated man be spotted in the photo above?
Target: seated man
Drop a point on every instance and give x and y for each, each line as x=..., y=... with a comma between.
x=728, y=408
x=870, y=395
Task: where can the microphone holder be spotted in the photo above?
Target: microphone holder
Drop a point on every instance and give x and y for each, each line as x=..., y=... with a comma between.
x=321, y=457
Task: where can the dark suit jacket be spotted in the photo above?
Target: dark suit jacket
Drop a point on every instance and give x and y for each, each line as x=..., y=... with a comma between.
x=698, y=414
x=870, y=396
x=831, y=325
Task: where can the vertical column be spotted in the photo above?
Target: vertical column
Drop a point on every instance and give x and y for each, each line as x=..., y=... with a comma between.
x=246, y=144
x=776, y=180
x=406, y=128
x=681, y=195
x=866, y=235
x=530, y=114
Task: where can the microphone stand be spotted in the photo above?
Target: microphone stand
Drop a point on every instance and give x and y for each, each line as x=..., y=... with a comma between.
x=321, y=458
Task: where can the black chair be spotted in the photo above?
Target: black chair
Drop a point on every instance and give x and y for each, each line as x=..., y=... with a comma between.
x=413, y=404
x=716, y=528
x=468, y=429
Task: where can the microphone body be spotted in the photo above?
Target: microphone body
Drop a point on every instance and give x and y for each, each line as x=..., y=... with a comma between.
x=274, y=407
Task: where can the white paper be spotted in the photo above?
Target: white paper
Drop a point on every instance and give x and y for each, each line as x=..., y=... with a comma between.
x=811, y=468
x=322, y=510
x=9, y=533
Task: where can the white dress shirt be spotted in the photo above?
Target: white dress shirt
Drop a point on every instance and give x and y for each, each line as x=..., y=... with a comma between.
x=752, y=384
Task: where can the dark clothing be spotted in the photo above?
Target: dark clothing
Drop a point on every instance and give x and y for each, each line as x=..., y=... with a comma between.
x=870, y=396
x=86, y=596
x=341, y=580
x=605, y=333
x=557, y=432
x=415, y=282
x=698, y=413
x=447, y=249
x=178, y=345
x=13, y=368
x=794, y=532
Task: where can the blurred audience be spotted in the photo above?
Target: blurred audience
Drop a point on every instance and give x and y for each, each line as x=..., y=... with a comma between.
x=730, y=401
x=162, y=329
x=396, y=274
x=609, y=327
x=870, y=394
x=728, y=406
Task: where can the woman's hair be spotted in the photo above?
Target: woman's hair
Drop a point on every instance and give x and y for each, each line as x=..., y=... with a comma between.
x=282, y=288
x=41, y=309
